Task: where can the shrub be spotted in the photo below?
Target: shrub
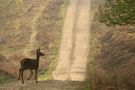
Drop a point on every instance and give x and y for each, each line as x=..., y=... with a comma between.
x=118, y=12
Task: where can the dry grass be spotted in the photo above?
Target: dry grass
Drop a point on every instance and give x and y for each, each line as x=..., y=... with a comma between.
x=116, y=59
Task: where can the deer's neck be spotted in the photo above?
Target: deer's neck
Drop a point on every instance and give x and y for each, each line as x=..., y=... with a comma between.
x=37, y=58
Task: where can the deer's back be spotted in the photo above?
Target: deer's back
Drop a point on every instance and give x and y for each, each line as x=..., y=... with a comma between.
x=28, y=63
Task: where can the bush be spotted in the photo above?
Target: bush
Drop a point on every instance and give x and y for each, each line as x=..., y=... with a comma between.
x=118, y=12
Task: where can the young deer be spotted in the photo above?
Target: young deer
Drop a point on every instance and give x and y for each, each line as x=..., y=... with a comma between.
x=30, y=64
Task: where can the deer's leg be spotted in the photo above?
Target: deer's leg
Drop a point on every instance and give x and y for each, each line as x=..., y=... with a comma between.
x=22, y=76
x=31, y=74
x=19, y=73
x=36, y=76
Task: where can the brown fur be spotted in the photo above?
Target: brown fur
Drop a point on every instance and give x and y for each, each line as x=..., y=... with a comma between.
x=30, y=64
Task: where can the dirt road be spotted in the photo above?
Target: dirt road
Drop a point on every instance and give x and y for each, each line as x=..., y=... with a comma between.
x=75, y=42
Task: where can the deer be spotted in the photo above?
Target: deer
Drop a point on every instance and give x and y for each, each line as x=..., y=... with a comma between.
x=30, y=64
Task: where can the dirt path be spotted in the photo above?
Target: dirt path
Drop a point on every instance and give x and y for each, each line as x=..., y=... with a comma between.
x=44, y=85
x=75, y=42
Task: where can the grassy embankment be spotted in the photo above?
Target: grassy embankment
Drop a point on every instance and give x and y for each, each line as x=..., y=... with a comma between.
x=18, y=21
x=111, y=59
x=5, y=77
x=10, y=13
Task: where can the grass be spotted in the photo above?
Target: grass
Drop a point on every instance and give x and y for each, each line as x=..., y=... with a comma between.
x=85, y=86
x=5, y=78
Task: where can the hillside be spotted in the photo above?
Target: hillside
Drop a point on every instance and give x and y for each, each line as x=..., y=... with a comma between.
x=103, y=35
x=27, y=25
x=44, y=22
x=111, y=60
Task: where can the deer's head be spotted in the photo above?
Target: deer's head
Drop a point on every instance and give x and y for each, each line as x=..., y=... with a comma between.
x=39, y=53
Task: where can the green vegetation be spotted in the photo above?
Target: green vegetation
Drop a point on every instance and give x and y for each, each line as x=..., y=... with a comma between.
x=118, y=12
x=4, y=77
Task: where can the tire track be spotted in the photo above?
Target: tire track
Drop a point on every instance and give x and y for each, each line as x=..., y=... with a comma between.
x=82, y=35
x=62, y=71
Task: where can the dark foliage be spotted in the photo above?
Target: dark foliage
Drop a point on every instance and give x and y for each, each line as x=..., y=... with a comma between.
x=118, y=12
